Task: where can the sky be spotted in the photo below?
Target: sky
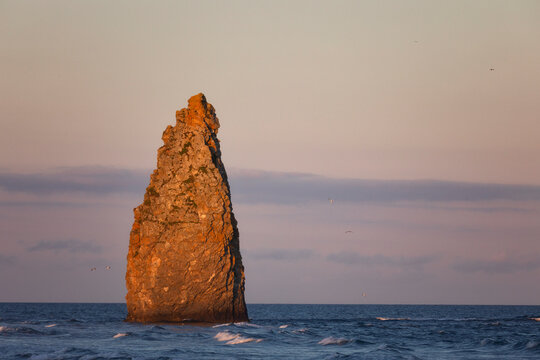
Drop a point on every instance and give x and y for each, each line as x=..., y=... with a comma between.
x=418, y=119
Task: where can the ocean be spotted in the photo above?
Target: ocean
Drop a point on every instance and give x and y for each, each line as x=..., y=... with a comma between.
x=97, y=331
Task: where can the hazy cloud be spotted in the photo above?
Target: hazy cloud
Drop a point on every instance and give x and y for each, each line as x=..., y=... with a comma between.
x=90, y=180
x=6, y=259
x=67, y=245
x=253, y=186
x=280, y=254
x=291, y=188
x=505, y=266
x=353, y=258
x=36, y=204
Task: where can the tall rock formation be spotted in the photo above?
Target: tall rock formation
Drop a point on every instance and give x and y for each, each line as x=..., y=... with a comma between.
x=184, y=261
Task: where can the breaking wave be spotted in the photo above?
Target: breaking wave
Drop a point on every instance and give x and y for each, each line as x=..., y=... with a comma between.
x=119, y=335
x=233, y=339
x=333, y=341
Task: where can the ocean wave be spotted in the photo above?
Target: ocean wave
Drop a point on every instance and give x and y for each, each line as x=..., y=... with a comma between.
x=490, y=341
x=50, y=325
x=391, y=319
x=283, y=326
x=245, y=323
x=120, y=335
x=158, y=328
x=62, y=353
x=221, y=325
x=233, y=339
x=527, y=345
x=333, y=341
x=19, y=330
x=535, y=319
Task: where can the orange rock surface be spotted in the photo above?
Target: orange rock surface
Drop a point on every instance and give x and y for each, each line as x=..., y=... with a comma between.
x=184, y=261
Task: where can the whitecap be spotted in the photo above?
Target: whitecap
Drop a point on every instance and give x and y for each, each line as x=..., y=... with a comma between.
x=51, y=325
x=245, y=323
x=333, y=341
x=283, y=326
x=3, y=328
x=225, y=336
x=391, y=319
x=120, y=335
x=242, y=340
x=220, y=325
x=535, y=319
x=233, y=339
x=532, y=344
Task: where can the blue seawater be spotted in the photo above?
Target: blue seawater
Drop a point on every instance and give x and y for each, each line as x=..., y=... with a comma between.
x=97, y=331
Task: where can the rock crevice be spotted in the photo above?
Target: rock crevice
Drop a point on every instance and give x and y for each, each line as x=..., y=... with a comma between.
x=184, y=261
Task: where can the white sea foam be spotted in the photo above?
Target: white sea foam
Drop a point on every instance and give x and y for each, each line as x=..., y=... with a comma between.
x=233, y=339
x=392, y=319
x=536, y=319
x=333, y=341
x=51, y=325
x=3, y=328
x=245, y=323
x=220, y=325
x=283, y=326
x=242, y=340
x=224, y=336
x=120, y=335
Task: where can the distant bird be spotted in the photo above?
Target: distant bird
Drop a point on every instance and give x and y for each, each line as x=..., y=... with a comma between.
x=348, y=232
x=331, y=201
x=108, y=267
x=93, y=269
x=491, y=69
x=363, y=294
x=416, y=41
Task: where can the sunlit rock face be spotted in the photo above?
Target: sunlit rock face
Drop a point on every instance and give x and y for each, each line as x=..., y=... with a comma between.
x=184, y=261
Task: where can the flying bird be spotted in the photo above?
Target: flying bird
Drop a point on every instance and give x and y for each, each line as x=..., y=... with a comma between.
x=108, y=267
x=491, y=69
x=331, y=201
x=348, y=232
x=93, y=269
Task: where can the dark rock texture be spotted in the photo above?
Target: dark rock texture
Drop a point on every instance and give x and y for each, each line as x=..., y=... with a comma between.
x=184, y=261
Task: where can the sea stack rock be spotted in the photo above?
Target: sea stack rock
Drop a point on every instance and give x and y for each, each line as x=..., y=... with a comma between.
x=184, y=261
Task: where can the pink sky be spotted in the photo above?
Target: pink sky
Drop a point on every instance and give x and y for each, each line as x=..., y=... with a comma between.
x=381, y=90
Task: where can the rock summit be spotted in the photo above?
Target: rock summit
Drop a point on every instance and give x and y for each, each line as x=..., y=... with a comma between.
x=184, y=261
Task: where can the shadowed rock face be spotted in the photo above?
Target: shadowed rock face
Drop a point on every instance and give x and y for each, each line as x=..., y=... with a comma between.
x=184, y=261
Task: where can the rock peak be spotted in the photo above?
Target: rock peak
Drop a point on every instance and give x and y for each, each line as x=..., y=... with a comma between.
x=197, y=102
x=184, y=259
x=198, y=113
